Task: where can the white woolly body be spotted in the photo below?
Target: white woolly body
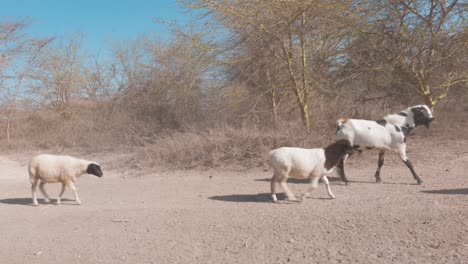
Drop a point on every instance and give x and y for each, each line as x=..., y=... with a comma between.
x=298, y=163
x=46, y=168
x=54, y=168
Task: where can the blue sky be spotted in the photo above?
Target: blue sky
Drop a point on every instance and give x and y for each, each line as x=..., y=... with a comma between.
x=100, y=21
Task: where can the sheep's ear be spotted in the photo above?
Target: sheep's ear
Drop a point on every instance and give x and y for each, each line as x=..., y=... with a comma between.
x=94, y=169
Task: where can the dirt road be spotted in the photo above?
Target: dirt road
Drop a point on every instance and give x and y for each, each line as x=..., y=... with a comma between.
x=219, y=216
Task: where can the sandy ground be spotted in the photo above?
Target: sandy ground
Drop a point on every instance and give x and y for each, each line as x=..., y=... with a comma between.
x=217, y=216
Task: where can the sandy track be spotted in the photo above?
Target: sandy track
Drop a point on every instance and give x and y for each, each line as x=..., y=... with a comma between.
x=227, y=217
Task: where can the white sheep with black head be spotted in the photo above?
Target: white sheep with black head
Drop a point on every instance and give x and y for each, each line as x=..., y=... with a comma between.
x=47, y=168
x=301, y=163
x=389, y=133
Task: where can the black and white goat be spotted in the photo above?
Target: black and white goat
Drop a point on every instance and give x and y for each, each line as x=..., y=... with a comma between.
x=385, y=134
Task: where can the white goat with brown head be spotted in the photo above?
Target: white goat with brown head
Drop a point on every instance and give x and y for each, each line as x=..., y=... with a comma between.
x=313, y=164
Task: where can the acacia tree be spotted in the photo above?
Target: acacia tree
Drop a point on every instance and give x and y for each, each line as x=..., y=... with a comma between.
x=432, y=40
x=178, y=68
x=19, y=54
x=58, y=75
x=12, y=46
x=262, y=22
x=97, y=80
x=160, y=81
x=127, y=69
x=306, y=38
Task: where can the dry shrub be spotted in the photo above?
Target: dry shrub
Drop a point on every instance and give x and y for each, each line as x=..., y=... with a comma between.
x=246, y=146
x=226, y=146
x=92, y=127
x=118, y=133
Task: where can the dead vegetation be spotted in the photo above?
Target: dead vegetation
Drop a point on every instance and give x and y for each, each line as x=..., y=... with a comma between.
x=246, y=78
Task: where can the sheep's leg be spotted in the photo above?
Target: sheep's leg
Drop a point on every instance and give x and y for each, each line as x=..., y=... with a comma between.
x=380, y=164
x=313, y=186
x=273, y=187
x=33, y=190
x=327, y=185
x=410, y=167
x=341, y=169
x=59, y=199
x=43, y=191
x=285, y=187
x=73, y=188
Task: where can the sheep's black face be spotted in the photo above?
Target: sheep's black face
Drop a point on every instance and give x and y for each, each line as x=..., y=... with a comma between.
x=94, y=169
x=422, y=115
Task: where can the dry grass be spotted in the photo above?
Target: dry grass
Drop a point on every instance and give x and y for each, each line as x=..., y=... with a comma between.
x=98, y=129
x=226, y=146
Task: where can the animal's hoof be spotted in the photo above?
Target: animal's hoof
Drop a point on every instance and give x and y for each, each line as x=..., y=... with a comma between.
x=378, y=181
x=78, y=202
x=273, y=196
x=47, y=201
x=332, y=197
x=35, y=204
x=420, y=182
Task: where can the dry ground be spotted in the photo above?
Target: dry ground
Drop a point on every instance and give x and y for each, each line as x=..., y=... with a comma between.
x=218, y=216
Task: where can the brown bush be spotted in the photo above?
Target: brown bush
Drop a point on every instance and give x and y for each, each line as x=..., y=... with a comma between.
x=111, y=129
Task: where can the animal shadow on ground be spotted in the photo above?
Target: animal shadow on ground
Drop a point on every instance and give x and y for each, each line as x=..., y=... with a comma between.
x=28, y=201
x=303, y=181
x=448, y=191
x=257, y=198
x=337, y=181
x=252, y=198
x=383, y=182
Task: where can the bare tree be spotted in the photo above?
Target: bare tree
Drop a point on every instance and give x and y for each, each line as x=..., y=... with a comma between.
x=18, y=56
x=58, y=75
x=179, y=66
x=432, y=39
x=97, y=80
x=306, y=37
x=128, y=66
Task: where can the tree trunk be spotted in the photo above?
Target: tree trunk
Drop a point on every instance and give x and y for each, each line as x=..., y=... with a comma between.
x=305, y=86
x=299, y=92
